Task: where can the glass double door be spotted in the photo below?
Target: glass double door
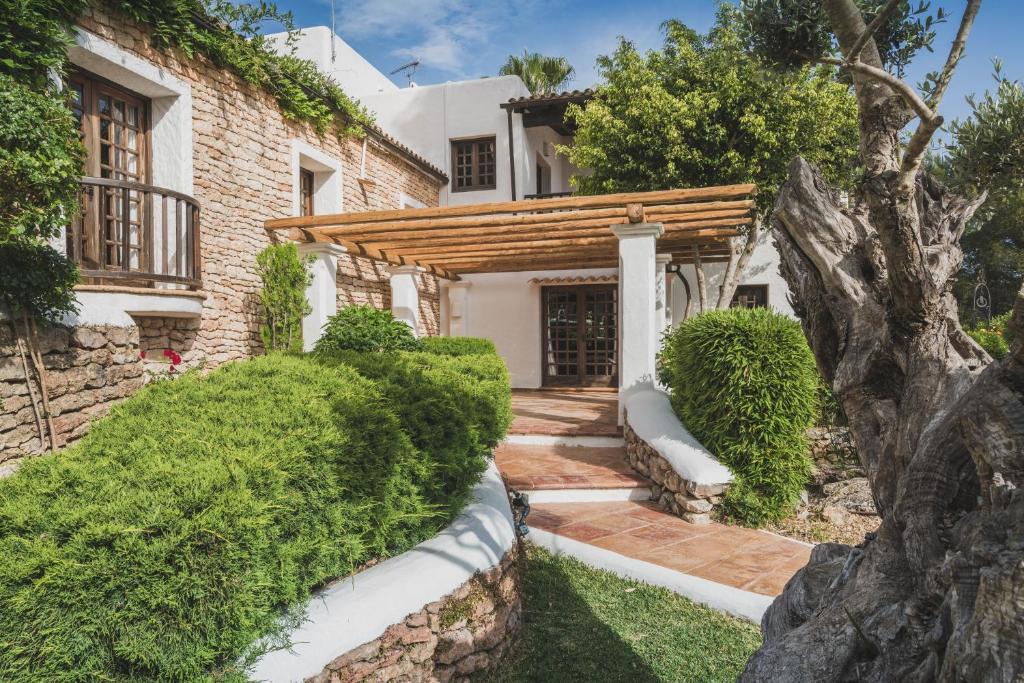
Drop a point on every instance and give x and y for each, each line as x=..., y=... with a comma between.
x=580, y=335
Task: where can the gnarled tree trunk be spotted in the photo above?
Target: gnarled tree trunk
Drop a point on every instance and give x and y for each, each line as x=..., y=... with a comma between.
x=938, y=592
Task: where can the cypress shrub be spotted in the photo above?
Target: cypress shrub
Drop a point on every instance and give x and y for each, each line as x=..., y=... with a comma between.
x=744, y=382
x=364, y=328
x=457, y=346
x=455, y=409
x=173, y=536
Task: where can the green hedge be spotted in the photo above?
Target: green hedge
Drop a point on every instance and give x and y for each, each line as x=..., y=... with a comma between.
x=454, y=408
x=364, y=328
x=744, y=383
x=457, y=346
x=171, y=537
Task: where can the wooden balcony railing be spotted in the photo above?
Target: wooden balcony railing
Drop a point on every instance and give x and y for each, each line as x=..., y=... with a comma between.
x=548, y=195
x=135, y=235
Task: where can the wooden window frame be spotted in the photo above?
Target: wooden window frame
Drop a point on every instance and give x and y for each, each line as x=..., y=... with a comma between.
x=90, y=121
x=307, y=205
x=474, y=163
x=762, y=289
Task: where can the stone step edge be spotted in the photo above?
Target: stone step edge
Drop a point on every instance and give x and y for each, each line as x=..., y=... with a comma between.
x=638, y=493
x=735, y=601
x=555, y=440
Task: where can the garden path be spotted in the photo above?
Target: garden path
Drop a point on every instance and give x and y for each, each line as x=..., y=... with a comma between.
x=604, y=498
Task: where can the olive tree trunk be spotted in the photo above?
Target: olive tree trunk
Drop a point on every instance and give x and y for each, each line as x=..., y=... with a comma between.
x=938, y=592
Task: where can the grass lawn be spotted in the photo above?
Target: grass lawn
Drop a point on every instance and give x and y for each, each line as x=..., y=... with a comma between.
x=584, y=624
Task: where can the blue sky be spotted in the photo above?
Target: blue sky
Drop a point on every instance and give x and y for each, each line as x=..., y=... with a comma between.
x=457, y=39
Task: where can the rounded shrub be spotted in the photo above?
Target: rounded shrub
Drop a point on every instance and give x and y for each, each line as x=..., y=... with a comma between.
x=744, y=383
x=458, y=346
x=364, y=328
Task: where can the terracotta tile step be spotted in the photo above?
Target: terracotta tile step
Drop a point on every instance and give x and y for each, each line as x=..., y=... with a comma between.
x=533, y=467
x=752, y=560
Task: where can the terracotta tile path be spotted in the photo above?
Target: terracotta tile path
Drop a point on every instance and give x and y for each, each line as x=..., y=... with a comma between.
x=530, y=467
x=565, y=413
x=752, y=560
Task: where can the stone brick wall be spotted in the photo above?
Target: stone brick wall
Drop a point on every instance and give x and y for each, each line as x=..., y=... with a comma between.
x=464, y=633
x=242, y=156
x=88, y=369
x=689, y=500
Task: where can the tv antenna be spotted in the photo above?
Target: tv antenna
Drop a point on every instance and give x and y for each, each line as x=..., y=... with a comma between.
x=408, y=69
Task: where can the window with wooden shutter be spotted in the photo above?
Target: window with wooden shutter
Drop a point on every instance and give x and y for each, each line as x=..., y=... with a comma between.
x=306, y=192
x=474, y=164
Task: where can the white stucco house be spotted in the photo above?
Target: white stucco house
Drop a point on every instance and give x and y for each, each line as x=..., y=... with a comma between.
x=499, y=144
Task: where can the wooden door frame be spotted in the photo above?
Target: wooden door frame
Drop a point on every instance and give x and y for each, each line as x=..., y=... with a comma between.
x=581, y=376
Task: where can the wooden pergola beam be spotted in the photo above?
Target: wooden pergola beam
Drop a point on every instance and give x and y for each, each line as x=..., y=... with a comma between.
x=724, y=192
x=515, y=224
x=356, y=249
x=580, y=239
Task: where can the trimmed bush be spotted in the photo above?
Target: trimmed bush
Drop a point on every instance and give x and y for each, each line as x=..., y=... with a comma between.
x=364, y=328
x=744, y=382
x=455, y=409
x=173, y=536
x=458, y=346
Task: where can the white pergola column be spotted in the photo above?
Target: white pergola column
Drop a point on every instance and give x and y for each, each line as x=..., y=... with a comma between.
x=663, y=307
x=458, y=309
x=637, y=304
x=405, y=295
x=322, y=291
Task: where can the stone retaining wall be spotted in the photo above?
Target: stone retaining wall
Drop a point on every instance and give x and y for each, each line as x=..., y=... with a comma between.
x=465, y=632
x=689, y=500
x=88, y=369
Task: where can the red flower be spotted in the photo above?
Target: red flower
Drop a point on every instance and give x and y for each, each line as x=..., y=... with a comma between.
x=167, y=353
x=171, y=370
x=142, y=354
x=175, y=358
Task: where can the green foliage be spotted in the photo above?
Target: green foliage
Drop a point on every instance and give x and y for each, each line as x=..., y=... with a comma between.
x=702, y=111
x=41, y=160
x=285, y=278
x=745, y=384
x=455, y=409
x=793, y=32
x=540, y=74
x=987, y=154
x=364, y=328
x=995, y=336
x=230, y=35
x=37, y=280
x=457, y=346
x=168, y=541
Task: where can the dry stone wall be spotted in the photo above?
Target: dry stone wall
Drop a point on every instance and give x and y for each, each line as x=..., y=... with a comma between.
x=466, y=632
x=88, y=369
x=687, y=499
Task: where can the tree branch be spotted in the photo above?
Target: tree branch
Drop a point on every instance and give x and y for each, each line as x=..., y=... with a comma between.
x=919, y=141
x=956, y=51
x=883, y=15
x=912, y=99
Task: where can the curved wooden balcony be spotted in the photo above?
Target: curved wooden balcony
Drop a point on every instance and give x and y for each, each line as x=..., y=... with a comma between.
x=136, y=235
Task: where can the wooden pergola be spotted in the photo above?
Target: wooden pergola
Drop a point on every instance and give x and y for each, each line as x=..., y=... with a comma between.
x=539, y=234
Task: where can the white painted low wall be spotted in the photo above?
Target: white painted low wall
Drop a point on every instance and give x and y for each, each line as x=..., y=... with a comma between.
x=650, y=415
x=358, y=609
